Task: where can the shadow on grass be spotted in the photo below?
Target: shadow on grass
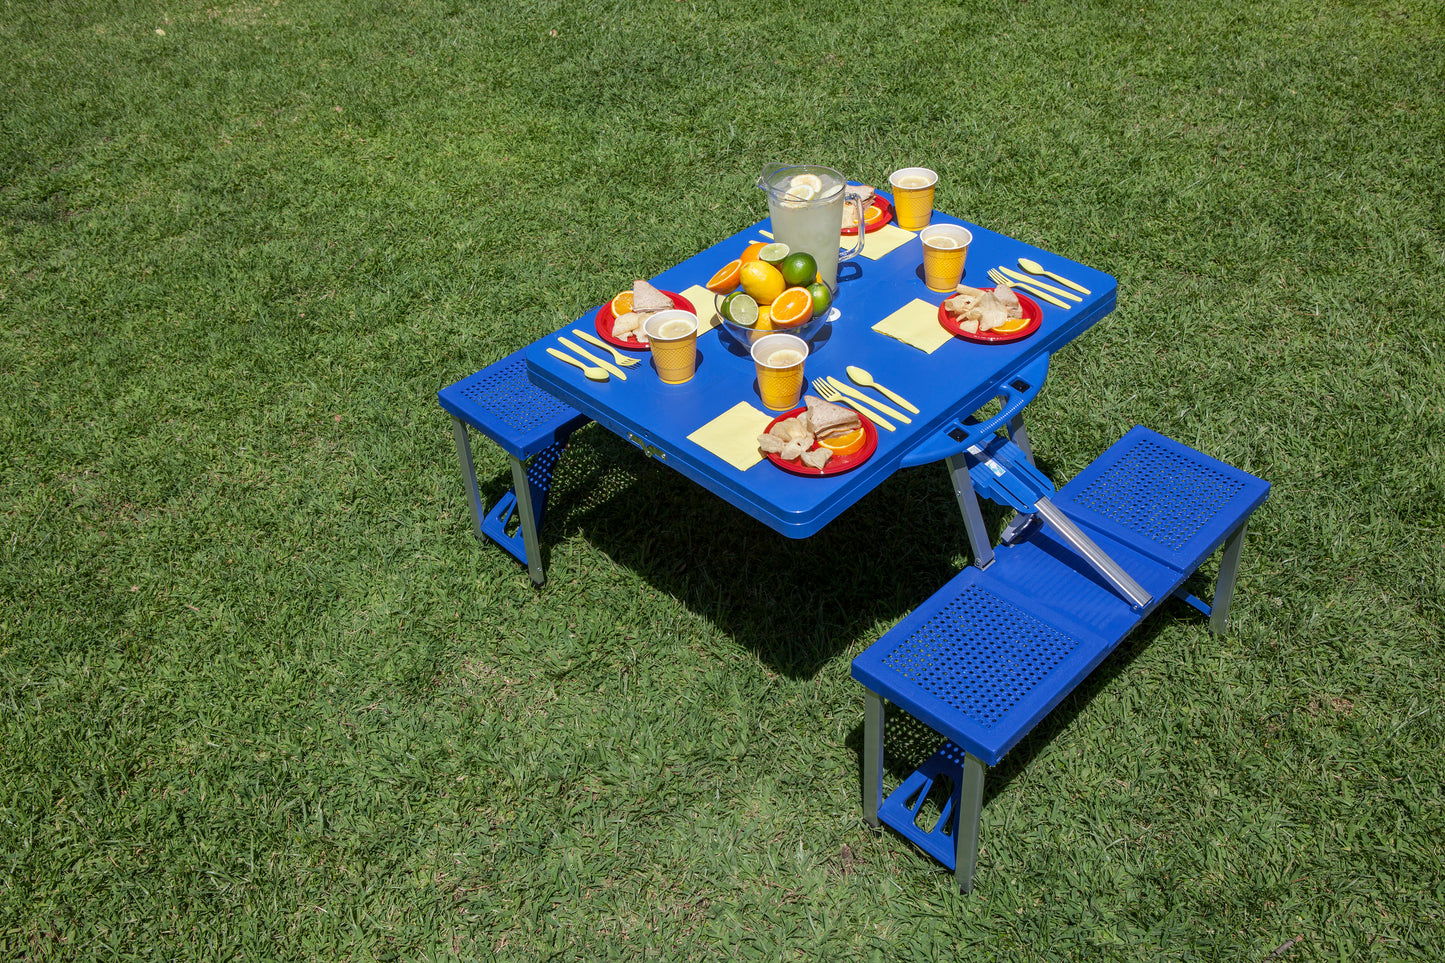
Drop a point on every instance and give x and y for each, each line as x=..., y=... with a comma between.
x=797, y=604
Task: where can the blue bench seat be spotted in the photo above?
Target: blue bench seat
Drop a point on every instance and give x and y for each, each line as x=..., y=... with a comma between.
x=996, y=649
x=532, y=427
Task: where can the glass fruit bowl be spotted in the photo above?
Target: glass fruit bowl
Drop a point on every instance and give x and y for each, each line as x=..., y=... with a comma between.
x=746, y=334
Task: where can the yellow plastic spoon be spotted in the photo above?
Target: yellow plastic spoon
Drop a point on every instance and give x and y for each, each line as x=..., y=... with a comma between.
x=865, y=379
x=1034, y=267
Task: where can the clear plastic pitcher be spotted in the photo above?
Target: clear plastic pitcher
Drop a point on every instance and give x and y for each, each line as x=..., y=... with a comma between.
x=806, y=207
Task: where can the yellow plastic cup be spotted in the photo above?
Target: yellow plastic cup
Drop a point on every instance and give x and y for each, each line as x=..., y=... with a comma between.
x=779, y=359
x=672, y=336
x=945, y=249
x=913, y=196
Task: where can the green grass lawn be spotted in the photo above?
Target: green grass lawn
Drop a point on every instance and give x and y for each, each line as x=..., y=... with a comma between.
x=263, y=696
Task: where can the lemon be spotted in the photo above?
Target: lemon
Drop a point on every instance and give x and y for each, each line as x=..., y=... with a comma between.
x=805, y=186
x=762, y=282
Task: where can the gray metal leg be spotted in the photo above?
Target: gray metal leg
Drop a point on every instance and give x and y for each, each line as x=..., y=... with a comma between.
x=469, y=473
x=1020, y=436
x=872, y=756
x=522, y=489
x=970, y=806
x=978, y=538
x=1224, y=585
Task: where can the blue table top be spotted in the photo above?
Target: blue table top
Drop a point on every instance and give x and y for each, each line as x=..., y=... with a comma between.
x=952, y=382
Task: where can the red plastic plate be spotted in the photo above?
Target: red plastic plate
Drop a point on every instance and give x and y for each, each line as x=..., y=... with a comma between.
x=838, y=463
x=605, y=317
x=1027, y=325
x=882, y=204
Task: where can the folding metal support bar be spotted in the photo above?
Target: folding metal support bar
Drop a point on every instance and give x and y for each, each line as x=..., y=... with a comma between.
x=1097, y=558
x=1006, y=474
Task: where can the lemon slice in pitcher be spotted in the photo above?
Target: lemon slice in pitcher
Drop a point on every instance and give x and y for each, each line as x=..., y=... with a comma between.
x=805, y=187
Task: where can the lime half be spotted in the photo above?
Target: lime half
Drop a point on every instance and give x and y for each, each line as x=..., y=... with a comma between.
x=774, y=253
x=740, y=309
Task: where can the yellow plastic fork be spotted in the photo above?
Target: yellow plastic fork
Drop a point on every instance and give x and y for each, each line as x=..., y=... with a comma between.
x=1002, y=281
x=622, y=360
x=828, y=393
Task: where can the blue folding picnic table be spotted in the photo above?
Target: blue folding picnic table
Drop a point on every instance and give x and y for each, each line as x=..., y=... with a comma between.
x=994, y=650
x=947, y=385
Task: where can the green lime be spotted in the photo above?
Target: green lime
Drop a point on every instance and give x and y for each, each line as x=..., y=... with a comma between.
x=799, y=268
x=773, y=253
x=740, y=309
x=822, y=298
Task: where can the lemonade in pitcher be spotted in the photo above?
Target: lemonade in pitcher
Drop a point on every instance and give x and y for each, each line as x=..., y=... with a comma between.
x=805, y=204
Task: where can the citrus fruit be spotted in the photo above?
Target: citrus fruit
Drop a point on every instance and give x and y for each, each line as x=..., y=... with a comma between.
x=846, y=443
x=822, y=297
x=740, y=309
x=762, y=281
x=725, y=280
x=805, y=187
x=622, y=304
x=750, y=253
x=792, y=308
x=765, y=317
x=798, y=268
x=872, y=216
x=773, y=253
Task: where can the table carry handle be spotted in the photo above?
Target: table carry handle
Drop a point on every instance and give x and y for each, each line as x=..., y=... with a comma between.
x=1017, y=391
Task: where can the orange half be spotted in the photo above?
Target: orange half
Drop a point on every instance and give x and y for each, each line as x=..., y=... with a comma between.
x=726, y=280
x=622, y=304
x=844, y=444
x=792, y=308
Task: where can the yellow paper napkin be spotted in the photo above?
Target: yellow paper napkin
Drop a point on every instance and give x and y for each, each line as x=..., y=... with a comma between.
x=733, y=435
x=882, y=241
x=916, y=324
x=706, y=304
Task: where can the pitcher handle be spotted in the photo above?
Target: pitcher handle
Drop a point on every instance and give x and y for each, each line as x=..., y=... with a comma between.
x=857, y=248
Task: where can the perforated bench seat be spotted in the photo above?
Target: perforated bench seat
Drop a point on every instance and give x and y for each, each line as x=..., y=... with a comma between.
x=527, y=423
x=993, y=651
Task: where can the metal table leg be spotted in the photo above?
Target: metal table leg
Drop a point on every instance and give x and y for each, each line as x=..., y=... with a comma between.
x=1224, y=584
x=970, y=806
x=469, y=473
x=525, y=500
x=872, y=756
x=963, y=490
x=527, y=516
x=1019, y=435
